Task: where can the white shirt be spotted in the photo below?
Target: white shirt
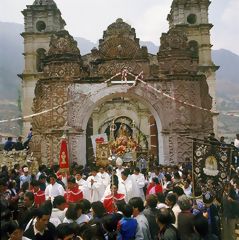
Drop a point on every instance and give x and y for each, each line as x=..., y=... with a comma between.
x=83, y=186
x=139, y=181
x=52, y=191
x=105, y=177
x=161, y=205
x=236, y=143
x=130, y=188
x=38, y=175
x=81, y=182
x=188, y=191
x=57, y=213
x=83, y=218
x=176, y=210
x=36, y=231
x=96, y=190
x=118, y=172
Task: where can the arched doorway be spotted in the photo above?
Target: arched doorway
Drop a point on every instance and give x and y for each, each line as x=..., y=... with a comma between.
x=86, y=102
x=130, y=115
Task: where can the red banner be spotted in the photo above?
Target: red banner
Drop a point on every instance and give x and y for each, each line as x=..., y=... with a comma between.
x=64, y=159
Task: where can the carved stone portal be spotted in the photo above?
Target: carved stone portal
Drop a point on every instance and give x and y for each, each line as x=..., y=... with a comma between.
x=72, y=86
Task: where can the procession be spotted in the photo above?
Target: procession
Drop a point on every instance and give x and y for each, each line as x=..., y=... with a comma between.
x=118, y=201
x=130, y=135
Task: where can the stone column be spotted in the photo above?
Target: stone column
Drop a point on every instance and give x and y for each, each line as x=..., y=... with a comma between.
x=77, y=146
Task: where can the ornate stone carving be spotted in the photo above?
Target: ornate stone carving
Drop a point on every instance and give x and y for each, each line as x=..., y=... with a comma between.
x=112, y=68
x=174, y=54
x=119, y=41
x=174, y=39
x=75, y=149
x=175, y=74
x=63, y=43
x=63, y=70
x=180, y=147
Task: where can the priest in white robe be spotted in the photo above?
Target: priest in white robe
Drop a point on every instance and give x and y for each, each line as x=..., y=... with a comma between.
x=95, y=186
x=105, y=177
x=82, y=185
x=129, y=186
x=140, y=181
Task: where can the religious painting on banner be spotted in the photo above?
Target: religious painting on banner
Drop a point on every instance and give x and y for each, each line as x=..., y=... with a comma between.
x=102, y=154
x=211, y=167
x=64, y=159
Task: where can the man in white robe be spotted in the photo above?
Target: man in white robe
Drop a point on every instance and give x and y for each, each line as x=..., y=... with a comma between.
x=129, y=186
x=82, y=185
x=139, y=179
x=53, y=189
x=105, y=180
x=95, y=186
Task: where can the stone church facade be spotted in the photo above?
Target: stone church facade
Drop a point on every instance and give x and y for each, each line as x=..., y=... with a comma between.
x=82, y=101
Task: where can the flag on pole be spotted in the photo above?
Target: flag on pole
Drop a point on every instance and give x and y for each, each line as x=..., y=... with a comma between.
x=211, y=166
x=64, y=158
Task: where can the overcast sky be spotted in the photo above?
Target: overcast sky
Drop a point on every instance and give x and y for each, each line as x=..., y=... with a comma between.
x=89, y=18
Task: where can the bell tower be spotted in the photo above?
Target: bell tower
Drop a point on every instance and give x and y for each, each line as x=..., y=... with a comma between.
x=41, y=20
x=192, y=17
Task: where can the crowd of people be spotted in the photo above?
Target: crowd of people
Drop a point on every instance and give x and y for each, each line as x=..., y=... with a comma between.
x=113, y=203
x=121, y=202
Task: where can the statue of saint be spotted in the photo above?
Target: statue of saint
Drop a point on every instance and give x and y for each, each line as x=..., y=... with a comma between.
x=211, y=168
x=122, y=132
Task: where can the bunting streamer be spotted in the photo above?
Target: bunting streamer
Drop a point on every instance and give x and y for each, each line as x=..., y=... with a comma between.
x=124, y=74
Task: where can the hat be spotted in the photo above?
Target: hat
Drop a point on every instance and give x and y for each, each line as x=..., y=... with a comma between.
x=119, y=161
x=207, y=197
x=25, y=169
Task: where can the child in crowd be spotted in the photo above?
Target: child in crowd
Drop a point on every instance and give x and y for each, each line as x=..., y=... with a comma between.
x=127, y=225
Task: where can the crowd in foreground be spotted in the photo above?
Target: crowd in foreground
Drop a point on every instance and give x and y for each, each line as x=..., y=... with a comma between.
x=122, y=203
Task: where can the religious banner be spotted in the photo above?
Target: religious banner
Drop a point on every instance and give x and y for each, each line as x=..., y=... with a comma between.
x=98, y=138
x=102, y=154
x=64, y=159
x=211, y=167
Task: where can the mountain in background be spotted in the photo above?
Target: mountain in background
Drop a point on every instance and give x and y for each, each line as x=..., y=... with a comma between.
x=12, y=63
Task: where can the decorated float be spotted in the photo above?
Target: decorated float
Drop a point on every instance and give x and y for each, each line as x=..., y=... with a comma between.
x=122, y=143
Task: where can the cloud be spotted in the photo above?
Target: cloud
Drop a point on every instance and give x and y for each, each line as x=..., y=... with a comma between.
x=231, y=13
x=153, y=22
x=224, y=33
x=90, y=18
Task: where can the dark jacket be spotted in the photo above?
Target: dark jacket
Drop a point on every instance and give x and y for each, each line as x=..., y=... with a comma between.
x=25, y=215
x=49, y=233
x=150, y=214
x=230, y=208
x=169, y=233
x=9, y=145
x=185, y=225
x=214, y=224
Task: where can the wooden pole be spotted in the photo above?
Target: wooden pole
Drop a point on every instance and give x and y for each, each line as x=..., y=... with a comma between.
x=193, y=176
